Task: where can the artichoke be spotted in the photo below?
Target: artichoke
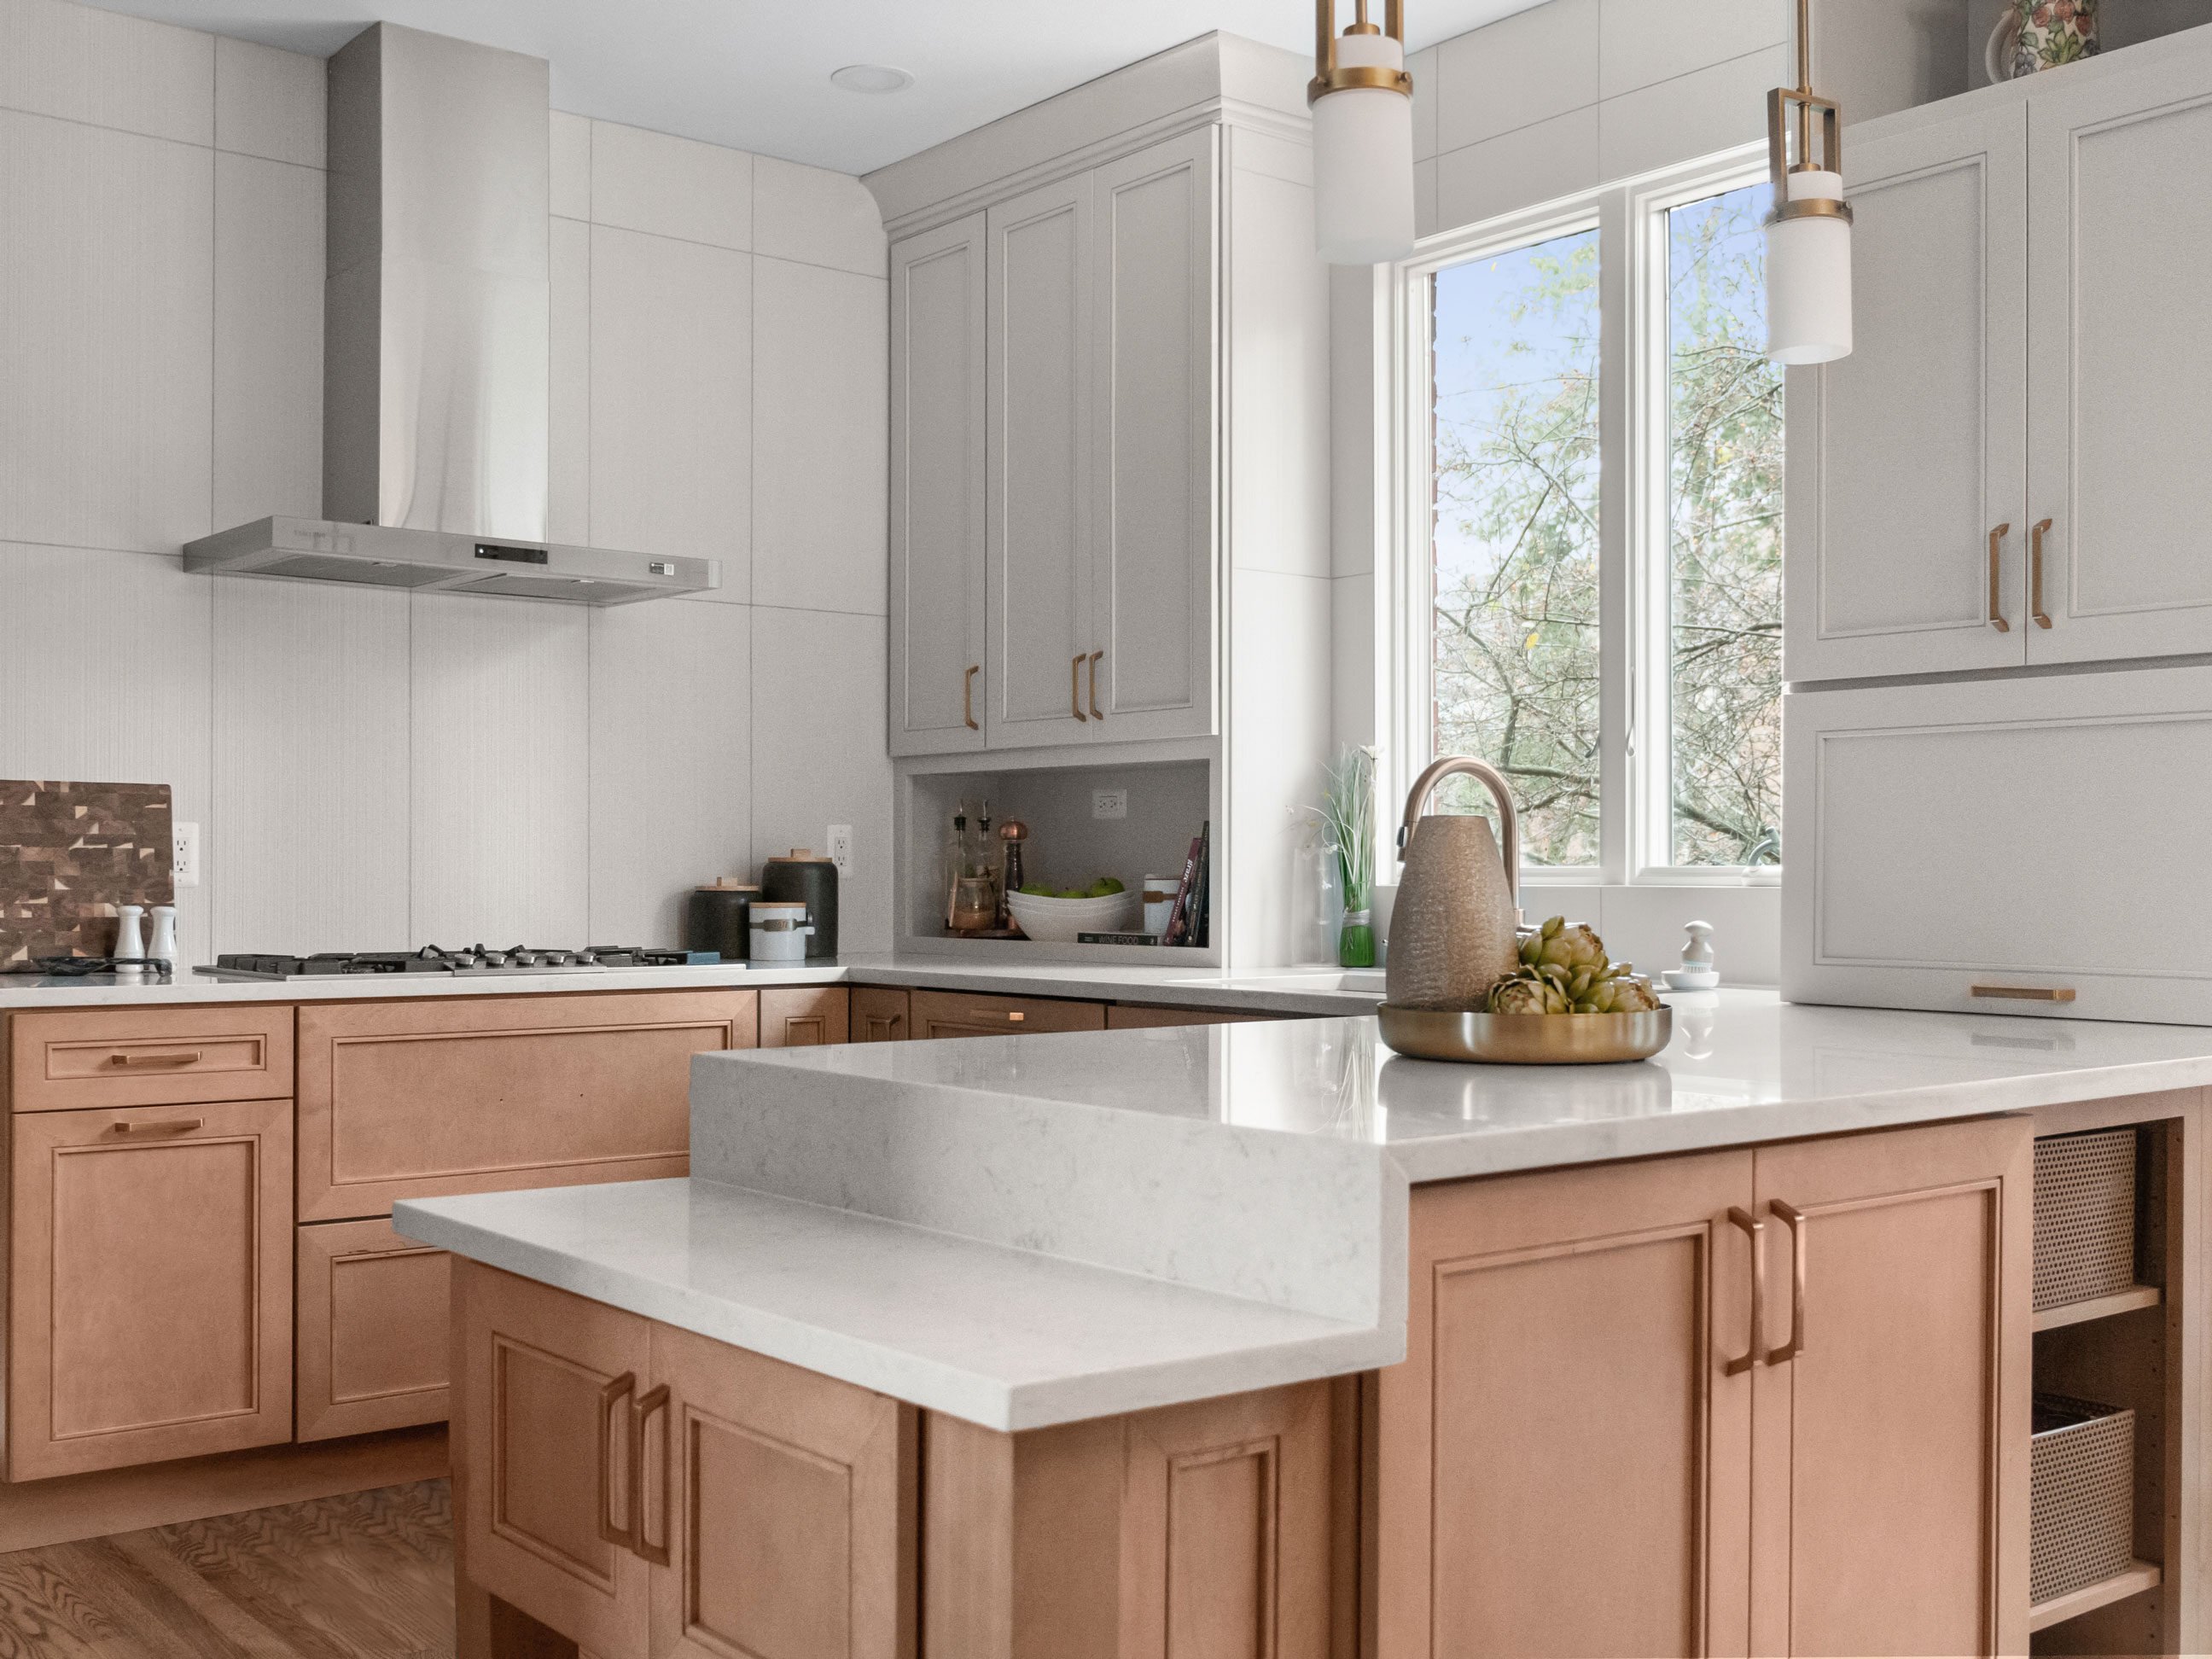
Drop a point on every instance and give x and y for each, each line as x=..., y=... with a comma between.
x=1565, y=970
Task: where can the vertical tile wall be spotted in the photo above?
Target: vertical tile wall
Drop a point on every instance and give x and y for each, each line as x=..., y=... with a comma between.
x=372, y=769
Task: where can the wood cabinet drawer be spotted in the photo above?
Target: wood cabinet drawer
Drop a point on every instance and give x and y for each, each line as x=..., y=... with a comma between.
x=150, y=1285
x=450, y=1095
x=880, y=1014
x=1130, y=1017
x=958, y=1014
x=62, y=1061
x=374, y=1337
x=804, y=1016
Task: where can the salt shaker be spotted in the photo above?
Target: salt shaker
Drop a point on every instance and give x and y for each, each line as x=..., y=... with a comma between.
x=130, y=937
x=162, y=947
x=1696, y=972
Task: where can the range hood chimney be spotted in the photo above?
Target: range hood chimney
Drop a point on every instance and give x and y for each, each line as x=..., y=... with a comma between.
x=437, y=342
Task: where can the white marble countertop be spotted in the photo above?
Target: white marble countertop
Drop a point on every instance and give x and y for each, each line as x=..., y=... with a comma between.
x=1264, y=1167
x=1316, y=991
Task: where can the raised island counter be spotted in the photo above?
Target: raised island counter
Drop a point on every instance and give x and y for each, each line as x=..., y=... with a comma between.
x=1162, y=1342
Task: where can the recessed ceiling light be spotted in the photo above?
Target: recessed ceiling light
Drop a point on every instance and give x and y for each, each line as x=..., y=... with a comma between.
x=871, y=77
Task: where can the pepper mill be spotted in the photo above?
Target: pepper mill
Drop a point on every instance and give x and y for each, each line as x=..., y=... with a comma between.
x=1013, y=832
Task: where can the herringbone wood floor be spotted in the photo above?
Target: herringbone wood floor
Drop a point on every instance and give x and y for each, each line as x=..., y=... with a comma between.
x=366, y=1575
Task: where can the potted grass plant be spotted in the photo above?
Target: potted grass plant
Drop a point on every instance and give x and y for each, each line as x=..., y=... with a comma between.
x=1346, y=817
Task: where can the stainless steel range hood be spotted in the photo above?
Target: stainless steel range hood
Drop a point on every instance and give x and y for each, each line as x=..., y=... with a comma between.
x=437, y=350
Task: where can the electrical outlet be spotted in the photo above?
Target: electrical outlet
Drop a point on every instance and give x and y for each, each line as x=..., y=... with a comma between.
x=185, y=855
x=1109, y=802
x=841, y=848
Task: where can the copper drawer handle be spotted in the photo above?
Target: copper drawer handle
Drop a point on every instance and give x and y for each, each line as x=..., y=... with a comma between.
x=1996, y=602
x=135, y=1062
x=623, y=1387
x=1794, y=1219
x=1075, y=689
x=2023, y=992
x=968, y=696
x=647, y=1408
x=2035, y=574
x=1754, y=1230
x=1013, y=1018
x=1096, y=712
x=183, y=1126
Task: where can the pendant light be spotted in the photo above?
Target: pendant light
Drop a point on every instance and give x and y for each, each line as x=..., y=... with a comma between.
x=1809, y=234
x=1362, y=137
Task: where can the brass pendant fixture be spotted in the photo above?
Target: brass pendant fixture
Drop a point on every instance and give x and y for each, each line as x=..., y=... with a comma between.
x=1362, y=127
x=1809, y=234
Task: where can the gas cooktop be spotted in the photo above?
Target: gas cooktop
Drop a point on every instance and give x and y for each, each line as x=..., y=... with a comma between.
x=435, y=959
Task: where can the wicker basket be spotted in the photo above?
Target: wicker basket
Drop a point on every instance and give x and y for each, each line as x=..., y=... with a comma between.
x=2085, y=1216
x=2081, y=1501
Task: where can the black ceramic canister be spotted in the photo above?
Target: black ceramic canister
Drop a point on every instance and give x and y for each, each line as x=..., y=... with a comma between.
x=719, y=918
x=803, y=877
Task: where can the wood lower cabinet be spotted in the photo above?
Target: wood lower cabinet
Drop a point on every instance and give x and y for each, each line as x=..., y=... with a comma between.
x=454, y=1095
x=958, y=1014
x=85, y=1058
x=805, y=1016
x=151, y=1280
x=881, y=1014
x=1595, y=1445
x=373, y=1347
x=643, y=1490
x=1136, y=1016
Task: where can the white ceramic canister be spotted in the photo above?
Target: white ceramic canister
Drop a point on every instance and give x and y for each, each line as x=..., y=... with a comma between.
x=1159, y=903
x=780, y=932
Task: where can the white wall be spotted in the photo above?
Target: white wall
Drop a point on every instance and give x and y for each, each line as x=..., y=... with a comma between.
x=370, y=768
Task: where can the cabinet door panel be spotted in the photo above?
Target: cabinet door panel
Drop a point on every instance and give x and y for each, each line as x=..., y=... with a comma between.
x=402, y=1100
x=1563, y=1458
x=1889, y=1456
x=1153, y=310
x=1040, y=419
x=958, y=1014
x=2120, y=363
x=534, y=1430
x=1905, y=455
x=375, y=1342
x=150, y=1286
x=149, y=1056
x=879, y=1014
x=938, y=373
x=788, y=1506
x=804, y=1017
x=1933, y=857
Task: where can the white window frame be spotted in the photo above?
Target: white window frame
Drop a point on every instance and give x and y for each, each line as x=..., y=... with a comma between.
x=1636, y=727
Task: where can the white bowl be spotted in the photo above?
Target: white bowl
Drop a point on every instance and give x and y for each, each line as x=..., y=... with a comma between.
x=1058, y=920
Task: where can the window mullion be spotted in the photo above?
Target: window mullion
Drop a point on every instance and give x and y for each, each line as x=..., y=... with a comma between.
x=1621, y=727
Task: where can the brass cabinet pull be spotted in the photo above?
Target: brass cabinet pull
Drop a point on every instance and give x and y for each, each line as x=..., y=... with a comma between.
x=2035, y=574
x=968, y=696
x=1075, y=689
x=1997, y=602
x=647, y=1409
x=1096, y=712
x=623, y=1387
x=1754, y=1230
x=180, y=1126
x=1794, y=1219
x=137, y=1062
x=2023, y=992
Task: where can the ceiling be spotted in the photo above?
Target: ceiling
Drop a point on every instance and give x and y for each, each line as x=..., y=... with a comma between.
x=755, y=76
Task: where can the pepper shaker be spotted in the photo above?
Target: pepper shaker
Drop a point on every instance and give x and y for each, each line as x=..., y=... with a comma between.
x=130, y=937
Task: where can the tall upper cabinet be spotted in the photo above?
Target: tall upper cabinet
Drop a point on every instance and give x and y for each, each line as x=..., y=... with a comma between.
x=2007, y=470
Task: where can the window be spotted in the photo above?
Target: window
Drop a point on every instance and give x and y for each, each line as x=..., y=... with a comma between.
x=1588, y=583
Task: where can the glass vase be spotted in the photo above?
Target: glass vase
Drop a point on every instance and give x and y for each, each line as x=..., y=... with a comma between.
x=1355, y=940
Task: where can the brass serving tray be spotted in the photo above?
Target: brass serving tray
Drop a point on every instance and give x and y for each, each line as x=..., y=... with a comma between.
x=1525, y=1039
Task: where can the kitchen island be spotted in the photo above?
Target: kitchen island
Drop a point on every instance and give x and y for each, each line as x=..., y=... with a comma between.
x=1258, y=1338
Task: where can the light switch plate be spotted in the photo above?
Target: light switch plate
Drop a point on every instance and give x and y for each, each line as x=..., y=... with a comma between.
x=185, y=855
x=841, y=848
x=1109, y=802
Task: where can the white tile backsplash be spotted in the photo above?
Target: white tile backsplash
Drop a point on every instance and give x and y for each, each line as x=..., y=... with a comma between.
x=107, y=301
x=821, y=375
x=1519, y=169
x=819, y=754
x=270, y=103
x=312, y=785
x=1640, y=43
x=81, y=64
x=671, y=398
x=268, y=410
x=671, y=762
x=667, y=186
x=1712, y=109
x=816, y=217
x=1519, y=70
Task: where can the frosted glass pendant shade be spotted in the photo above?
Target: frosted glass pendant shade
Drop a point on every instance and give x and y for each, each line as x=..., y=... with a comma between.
x=1808, y=276
x=1362, y=141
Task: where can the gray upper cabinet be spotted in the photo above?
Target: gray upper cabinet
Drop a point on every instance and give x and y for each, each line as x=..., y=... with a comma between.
x=1073, y=329
x=938, y=473
x=2120, y=360
x=2031, y=359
